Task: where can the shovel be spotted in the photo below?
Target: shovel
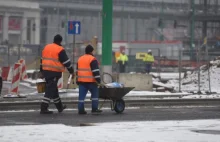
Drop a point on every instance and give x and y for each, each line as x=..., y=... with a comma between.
x=69, y=81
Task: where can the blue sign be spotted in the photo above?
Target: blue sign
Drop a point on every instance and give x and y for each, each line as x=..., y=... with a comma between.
x=74, y=27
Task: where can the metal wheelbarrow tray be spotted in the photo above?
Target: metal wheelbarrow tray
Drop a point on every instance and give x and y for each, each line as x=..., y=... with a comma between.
x=116, y=96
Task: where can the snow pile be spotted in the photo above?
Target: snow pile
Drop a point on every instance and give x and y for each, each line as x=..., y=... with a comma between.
x=32, y=71
x=158, y=131
x=167, y=76
x=34, y=81
x=190, y=82
x=213, y=96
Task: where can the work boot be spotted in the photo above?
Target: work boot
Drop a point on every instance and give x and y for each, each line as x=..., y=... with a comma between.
x=63, y=107
x=44, y=109
x=96, y=111
x=60, y=107
x=82, y=112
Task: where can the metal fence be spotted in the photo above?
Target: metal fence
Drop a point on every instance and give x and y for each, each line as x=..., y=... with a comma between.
x=178, y=60
x=10, y=54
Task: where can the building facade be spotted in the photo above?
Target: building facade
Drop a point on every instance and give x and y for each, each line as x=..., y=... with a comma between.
x=133, y=20
x=19, y=22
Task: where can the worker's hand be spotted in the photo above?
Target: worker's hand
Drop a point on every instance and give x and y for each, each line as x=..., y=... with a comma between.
x=73, y=75
x=100, y=85
x=40, y=75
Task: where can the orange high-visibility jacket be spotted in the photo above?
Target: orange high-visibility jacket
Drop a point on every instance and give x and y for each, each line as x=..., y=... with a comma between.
x=84, y=73
x=50, y=58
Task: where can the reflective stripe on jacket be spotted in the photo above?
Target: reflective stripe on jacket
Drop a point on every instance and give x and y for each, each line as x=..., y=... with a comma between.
x=84, y=72
x=50, y=58
x=149, y=58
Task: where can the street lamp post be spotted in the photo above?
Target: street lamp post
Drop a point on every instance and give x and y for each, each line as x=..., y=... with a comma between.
x=107, y=37
x=192, y=26
x=21, y=42
x=161, y=22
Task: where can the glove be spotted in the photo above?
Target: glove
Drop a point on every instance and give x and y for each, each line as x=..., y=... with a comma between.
x=40, y=75
x=100, y=85
x=73, y=75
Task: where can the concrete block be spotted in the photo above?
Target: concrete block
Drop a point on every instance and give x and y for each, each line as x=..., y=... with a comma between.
x=141, y=82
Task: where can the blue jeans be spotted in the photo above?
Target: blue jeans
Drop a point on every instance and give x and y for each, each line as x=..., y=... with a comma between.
x=83, y=90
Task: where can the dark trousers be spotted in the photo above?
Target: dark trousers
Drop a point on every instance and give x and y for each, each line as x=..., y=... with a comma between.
x=83, y=90
x=122, y=68
x=148, y=67
x=51, y=92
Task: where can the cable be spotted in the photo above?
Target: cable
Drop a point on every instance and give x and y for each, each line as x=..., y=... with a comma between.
x=102, y=77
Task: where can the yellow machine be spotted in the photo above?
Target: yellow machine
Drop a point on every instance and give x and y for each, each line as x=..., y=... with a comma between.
x=140, y=56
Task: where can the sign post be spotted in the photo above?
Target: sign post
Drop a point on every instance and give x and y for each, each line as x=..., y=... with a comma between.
x=74, y=28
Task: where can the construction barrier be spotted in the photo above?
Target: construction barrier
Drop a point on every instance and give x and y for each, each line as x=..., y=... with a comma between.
x=23, y=69
x=1, y=84
x=5, y=72
x=16, y=79
x=14, y=91
x=10, y=74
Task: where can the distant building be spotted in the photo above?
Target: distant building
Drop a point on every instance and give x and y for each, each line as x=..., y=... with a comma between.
x=19, y=22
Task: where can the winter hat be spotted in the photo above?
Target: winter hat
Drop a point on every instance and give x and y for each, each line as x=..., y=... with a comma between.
x=89, y=49
x=57, y=39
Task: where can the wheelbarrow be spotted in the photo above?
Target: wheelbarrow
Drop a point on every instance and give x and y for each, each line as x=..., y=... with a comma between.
x=115, y=95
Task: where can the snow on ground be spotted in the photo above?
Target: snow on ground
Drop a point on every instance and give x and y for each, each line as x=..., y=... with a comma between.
x=152, y=131
x=167, y=76
x=145, y=93
x=32, y=71
x=201, y=96
x=74, y=93
x=190, y=83
x=27, y=85
x=34, y=81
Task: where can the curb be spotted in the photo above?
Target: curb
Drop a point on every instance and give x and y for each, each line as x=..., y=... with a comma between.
x=134, y=97
x=129, y=103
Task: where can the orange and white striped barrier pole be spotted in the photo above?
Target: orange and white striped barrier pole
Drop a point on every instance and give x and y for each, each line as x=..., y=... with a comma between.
x=23, y=69
x=15, y=79
x=14, y=92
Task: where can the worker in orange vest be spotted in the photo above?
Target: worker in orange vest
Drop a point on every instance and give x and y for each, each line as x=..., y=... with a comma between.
x=88, y=79
x=53, y=62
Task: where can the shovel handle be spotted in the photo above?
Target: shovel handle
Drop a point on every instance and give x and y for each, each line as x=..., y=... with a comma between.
x=69, y=79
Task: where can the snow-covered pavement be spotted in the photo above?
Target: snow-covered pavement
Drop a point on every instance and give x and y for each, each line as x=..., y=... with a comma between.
x=144, y=131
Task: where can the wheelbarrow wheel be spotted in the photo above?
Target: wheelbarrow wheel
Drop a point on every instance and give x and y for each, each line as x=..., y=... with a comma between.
x=119, y=106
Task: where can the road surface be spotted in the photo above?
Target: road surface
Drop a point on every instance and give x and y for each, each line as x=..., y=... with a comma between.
x=70, y=117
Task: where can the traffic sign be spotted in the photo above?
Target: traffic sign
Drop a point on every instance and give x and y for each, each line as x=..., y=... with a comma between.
x=74, y=27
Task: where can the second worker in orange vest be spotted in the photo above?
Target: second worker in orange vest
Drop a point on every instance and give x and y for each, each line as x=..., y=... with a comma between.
x=53, y=62
x=88, y=78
